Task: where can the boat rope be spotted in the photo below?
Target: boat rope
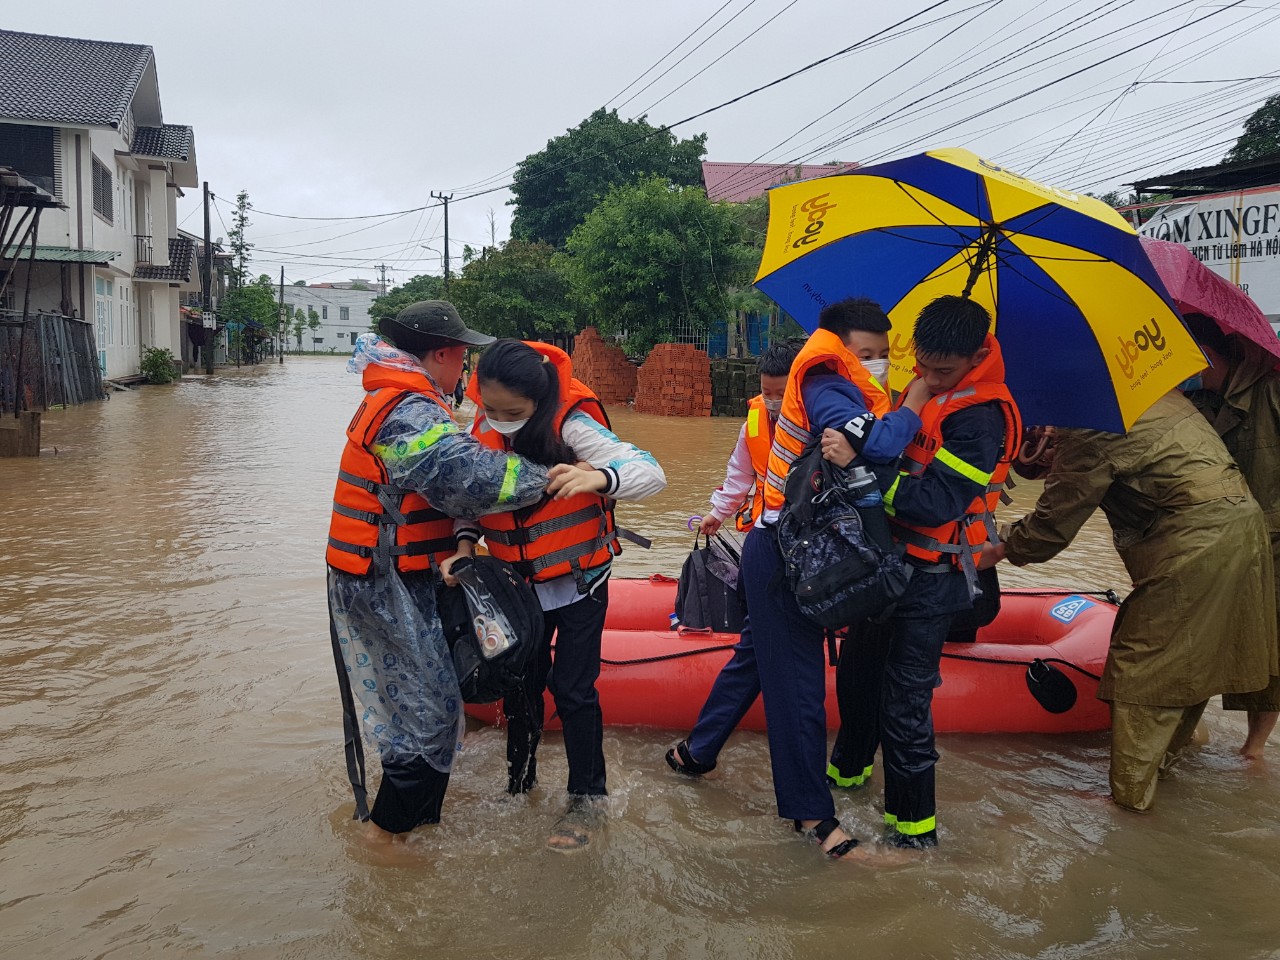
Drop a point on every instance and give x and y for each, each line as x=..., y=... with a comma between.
x=720, y=648
x=1022, y=663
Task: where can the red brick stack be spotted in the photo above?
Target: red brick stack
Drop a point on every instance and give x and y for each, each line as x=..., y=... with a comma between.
x=675, y=381
x=603, y=367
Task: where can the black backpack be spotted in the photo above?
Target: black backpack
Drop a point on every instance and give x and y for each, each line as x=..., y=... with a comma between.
x=708, y=595
x=840, y=558
x=493, y=624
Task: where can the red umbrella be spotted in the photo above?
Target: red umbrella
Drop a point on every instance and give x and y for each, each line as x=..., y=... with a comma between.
x=1197, y=289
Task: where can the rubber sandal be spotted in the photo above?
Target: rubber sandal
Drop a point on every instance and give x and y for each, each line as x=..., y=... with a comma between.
x=577, y=825
x=681, y=760
x=823, y=830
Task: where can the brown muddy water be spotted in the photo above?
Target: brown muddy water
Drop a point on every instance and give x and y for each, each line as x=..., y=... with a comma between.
x=172, y=781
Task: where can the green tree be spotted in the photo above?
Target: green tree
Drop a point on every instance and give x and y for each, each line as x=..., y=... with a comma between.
x=519, y=290
x=558, y=186
x=313, y=323
x=1261, y=136
x=652, y=255
x=359, y=285
x=237, y=243
x=248, y=304
x=423, y=287
x=299, y=324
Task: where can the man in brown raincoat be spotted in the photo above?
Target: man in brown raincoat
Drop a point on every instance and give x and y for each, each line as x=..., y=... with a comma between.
x=1241, y=398
x=1201, y=617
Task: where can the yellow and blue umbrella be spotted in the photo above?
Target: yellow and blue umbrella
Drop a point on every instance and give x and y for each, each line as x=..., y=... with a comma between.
x=1089, y=334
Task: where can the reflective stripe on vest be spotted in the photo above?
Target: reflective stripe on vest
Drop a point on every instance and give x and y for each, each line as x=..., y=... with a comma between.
x=374, y=523
x=553, y=538
x=792, y=434
x=759, y=440
x=961, y=540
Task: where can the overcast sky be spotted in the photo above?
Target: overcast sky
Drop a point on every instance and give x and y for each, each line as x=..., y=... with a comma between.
x=321, y=109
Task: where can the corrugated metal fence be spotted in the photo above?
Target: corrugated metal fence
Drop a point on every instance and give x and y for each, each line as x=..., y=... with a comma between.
x=58, y=358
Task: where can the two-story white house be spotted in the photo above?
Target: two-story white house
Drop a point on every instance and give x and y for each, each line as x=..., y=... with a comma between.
x=82, y=119
x=343, y=314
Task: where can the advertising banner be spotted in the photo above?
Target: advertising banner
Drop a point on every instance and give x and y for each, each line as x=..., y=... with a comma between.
x=1236, y=235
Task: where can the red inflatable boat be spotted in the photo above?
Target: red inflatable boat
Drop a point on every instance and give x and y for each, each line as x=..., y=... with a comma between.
x=653, y=677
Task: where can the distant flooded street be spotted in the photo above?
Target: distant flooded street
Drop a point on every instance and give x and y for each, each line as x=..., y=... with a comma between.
x=172, y=782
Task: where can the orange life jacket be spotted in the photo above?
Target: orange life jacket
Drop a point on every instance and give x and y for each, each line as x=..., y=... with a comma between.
x=961, y=540
x=553, y=538
x=791, y=434
x=759, y=441
x=374, y=521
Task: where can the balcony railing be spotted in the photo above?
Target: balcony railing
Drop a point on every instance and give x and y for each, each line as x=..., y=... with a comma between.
x=142, y=252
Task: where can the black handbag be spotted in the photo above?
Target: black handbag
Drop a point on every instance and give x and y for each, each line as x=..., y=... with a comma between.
x=709, y=596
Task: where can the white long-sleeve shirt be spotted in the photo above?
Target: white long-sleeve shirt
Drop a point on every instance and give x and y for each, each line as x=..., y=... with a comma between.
x=633, y=474
x=739, y=479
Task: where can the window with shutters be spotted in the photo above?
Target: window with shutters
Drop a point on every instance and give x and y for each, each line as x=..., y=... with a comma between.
x=102, y=200
x=344, y=314
x=35, y=153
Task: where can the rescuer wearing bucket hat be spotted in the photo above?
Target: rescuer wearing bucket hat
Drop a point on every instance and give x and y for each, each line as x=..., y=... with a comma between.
x=406, y=471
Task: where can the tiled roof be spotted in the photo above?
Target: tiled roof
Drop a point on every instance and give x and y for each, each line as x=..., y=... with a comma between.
x=62, y=80
x=171, y=141
x=739, y=182
x=181, y=250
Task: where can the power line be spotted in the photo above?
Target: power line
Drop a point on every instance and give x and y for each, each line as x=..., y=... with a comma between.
x=685, y=83
x=750, y=93
x=748, y=6
x=691, y=34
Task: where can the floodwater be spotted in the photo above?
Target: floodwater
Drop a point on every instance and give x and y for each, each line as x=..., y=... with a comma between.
x=172, y=781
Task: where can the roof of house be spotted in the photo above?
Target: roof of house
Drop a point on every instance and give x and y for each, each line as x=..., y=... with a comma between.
x=170, y=141
x=739, y=182
x=68, y=255
x=1219, y=178
x=181, y=250
x=64, y=80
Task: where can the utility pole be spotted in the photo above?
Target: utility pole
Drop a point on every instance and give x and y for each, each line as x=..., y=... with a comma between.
x=382, y=273
x=445, y=200
x=280, y=321
x=207, y=316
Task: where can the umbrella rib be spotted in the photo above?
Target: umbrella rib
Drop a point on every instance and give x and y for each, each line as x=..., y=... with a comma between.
x=916, y=200
x=1057, y=294
x=888, y=232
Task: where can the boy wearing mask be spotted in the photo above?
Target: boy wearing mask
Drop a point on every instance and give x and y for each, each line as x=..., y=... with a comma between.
x=833, y=387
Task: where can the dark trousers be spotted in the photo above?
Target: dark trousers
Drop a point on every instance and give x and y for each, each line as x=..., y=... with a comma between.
x=885, y=685
x=863, y=654
x=411, y=794
x=791, y=658
x=911, y=672
x=571, y=676
x=735, y=690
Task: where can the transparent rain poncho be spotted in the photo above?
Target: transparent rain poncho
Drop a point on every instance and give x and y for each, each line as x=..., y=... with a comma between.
x=399, y=665
x=392, y=644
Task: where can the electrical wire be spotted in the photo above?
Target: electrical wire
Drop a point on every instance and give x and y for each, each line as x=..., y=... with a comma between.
x=748, y=6
x=687, y=38
x=736, y=46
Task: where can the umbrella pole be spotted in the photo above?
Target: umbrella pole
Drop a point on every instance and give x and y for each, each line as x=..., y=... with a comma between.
x=985, y=248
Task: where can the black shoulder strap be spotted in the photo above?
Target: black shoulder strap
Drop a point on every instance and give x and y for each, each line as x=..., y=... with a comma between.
x=350, y=729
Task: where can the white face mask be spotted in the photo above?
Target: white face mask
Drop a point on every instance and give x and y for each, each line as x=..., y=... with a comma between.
x=773, y=406
x=508, y=428
x=878, y=369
